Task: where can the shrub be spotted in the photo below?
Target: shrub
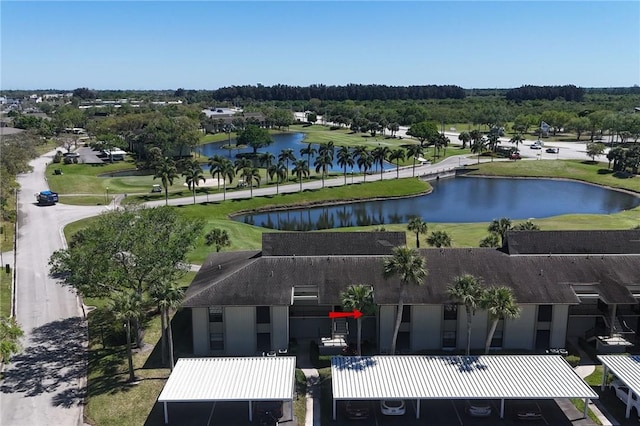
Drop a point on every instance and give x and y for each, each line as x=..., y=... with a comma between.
x=573, y=360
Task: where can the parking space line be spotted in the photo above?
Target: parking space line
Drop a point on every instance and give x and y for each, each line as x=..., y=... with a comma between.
x=540, y=410
x=213, y=407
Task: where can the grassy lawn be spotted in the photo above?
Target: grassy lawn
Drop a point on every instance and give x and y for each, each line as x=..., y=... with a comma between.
x=5, y=292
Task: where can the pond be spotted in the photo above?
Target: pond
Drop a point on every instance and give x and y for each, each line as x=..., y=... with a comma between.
x=458, y=200
x=281, y=141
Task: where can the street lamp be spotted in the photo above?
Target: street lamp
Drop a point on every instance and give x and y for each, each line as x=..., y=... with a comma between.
x=106, y=195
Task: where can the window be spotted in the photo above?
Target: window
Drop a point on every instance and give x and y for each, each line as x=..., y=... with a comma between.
x=215, y=313
x=263, y=314
x=406, y=314
x=545, y=313
x=450, y=313
x=216, y=341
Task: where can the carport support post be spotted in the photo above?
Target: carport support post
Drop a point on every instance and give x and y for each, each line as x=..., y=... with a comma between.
x=605, y=373
x=586, y=407
x=334, y=408
x=417, y=408
x=250, y=411
x=628, y=412
x=166, y=413
x=502, y=408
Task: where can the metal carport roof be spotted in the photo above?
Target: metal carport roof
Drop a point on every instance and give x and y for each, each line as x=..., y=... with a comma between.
x=456, y=377
x=627, y=369
x=230, y=379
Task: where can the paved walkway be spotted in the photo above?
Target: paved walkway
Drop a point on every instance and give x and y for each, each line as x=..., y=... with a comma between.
x=313, y=384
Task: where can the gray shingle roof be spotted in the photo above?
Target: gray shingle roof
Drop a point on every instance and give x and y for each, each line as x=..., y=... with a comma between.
x=250, y=278
x=574, y=242
x=330, y=243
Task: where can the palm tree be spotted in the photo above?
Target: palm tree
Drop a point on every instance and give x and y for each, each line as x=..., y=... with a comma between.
x=251, y=174
x=465, y=138
x=466, y=290
x=266, y=159
x=193, y=175
x=214, y=167
x=227, y=171
x=526, y=226
x=285, y=156
x=500, y=303
x=365, y=161
x=323, y=161
x=301, y=170
x=439, y=239
x=345, y=158
x=218, y=237
x=167, y=296
x=360, y=297
x=491, y=240
x=279, y=171
x=309, y=151
x=397, y=155
x=477, y=147
x=10, y=333
x=128, y=307
x=166, y=171
x=417, y=225
x=380, y=155
x=409, y=266
x=414, y=151
x=500, y=227
x=517, y=139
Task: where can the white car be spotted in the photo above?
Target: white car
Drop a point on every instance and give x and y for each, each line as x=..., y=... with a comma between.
x=535, y=146
x=622, y=392
x=478, y=408
x=392, y=407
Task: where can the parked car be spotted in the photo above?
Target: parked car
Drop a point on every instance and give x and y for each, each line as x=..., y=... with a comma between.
x=156, y=188
x=553, y=150
x=358, y=410
x=478, y=408
x=71, y=155
x=392, y=407
x=528, y=412
x=622, y=391
x=515, y=156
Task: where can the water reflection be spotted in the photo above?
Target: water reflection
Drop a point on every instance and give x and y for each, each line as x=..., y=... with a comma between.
x=458, y=200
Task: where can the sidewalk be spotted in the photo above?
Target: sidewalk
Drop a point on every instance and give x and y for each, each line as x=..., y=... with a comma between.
x=303, y=361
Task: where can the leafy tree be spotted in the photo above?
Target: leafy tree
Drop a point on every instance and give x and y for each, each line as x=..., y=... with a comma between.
x=418, y=226
x=414, y=151
x=10, y=334
x=345, y=159
x=500, y=227
x=166, y=171
x=423, y=131
x=409, y=266
x=595, y=149
x=127, y=250
x=360, y=297
x=312, y=117
x=255, y=137
x=466, y=290
x=193, y=175
x=127, y=305
x=397, y=155
x=439, y=239
x=279, y=171
x=579, y=125
x=492, y=240
x=218, y=237
x=500, y=303
x=301, y=170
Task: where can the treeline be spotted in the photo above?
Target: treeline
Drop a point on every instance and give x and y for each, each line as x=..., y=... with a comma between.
x=528, y=93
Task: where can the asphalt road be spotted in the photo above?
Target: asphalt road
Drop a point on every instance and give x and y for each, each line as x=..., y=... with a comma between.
x=44, y=384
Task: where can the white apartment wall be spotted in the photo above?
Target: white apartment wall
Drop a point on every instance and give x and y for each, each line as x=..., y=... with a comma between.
x=200, y=325
x=426, y=324
x=240, y=330
x=559, y=326
x=279, y=327
x=519, y=333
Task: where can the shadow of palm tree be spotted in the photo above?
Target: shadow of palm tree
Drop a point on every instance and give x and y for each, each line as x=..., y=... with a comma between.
x=55, y=359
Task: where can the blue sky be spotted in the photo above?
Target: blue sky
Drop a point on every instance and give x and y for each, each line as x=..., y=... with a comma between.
x=212, y=44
